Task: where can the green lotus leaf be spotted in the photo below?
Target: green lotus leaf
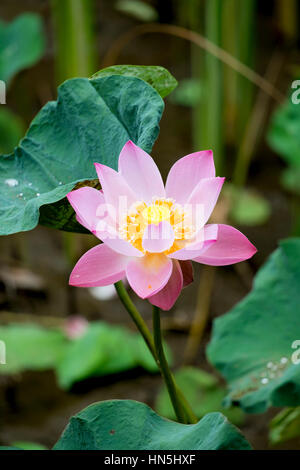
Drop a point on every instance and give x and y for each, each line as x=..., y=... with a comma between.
x=130, y=425
x=254, y=346
x=90, y=122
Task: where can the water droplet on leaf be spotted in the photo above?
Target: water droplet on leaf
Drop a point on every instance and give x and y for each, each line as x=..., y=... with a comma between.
x=11, y=182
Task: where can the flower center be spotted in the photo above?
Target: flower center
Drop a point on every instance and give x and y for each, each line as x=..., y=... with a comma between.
x=154, y=214
x=141, y=215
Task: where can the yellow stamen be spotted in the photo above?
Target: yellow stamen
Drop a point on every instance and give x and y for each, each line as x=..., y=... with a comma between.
x=155, y=214
x=161, y=209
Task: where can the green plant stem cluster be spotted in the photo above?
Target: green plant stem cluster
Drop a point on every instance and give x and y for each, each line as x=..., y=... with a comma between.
x=182, y=409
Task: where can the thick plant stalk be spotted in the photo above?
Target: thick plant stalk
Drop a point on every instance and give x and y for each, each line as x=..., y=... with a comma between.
x=207, y=71
x=295, y=210
x=238, y=38
x=74, y=38
x=194, y=12
x=186, y=411
x=229, y=43
x=245, y=53
x=211, y=113
x=75, y=57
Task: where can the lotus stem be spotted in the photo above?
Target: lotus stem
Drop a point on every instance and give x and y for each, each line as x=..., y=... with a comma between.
x=186, y=412
x=164, y=367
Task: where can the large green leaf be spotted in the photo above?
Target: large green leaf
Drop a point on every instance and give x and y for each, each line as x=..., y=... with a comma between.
x=30, y=347
x=22, y=43
x=202, y=390
x=104, y=349
x=284, y=135
x=284, y=138
x=158, y=77
x=252, y=345
x=130, y=425
x=90, y=121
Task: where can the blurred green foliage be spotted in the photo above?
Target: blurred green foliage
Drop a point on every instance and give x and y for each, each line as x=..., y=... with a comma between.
x=137, y=9
x=22, y=44
x=285, y=425
x=30, y=347
x=103, y=349
x=12, y=130
x=284, y=138
x=188, y=93
x=247, y=206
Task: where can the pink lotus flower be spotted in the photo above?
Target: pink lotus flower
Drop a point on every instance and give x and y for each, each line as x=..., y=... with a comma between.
x=151, y=231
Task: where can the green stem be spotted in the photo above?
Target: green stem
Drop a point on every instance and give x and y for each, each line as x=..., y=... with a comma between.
x=75, y=57
x=74, y=38
x=164, y=367
x=246, y=41
x=190, y=415
x=211, y=111
x=143, y=329
x=136, y=317
x=230, y=20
